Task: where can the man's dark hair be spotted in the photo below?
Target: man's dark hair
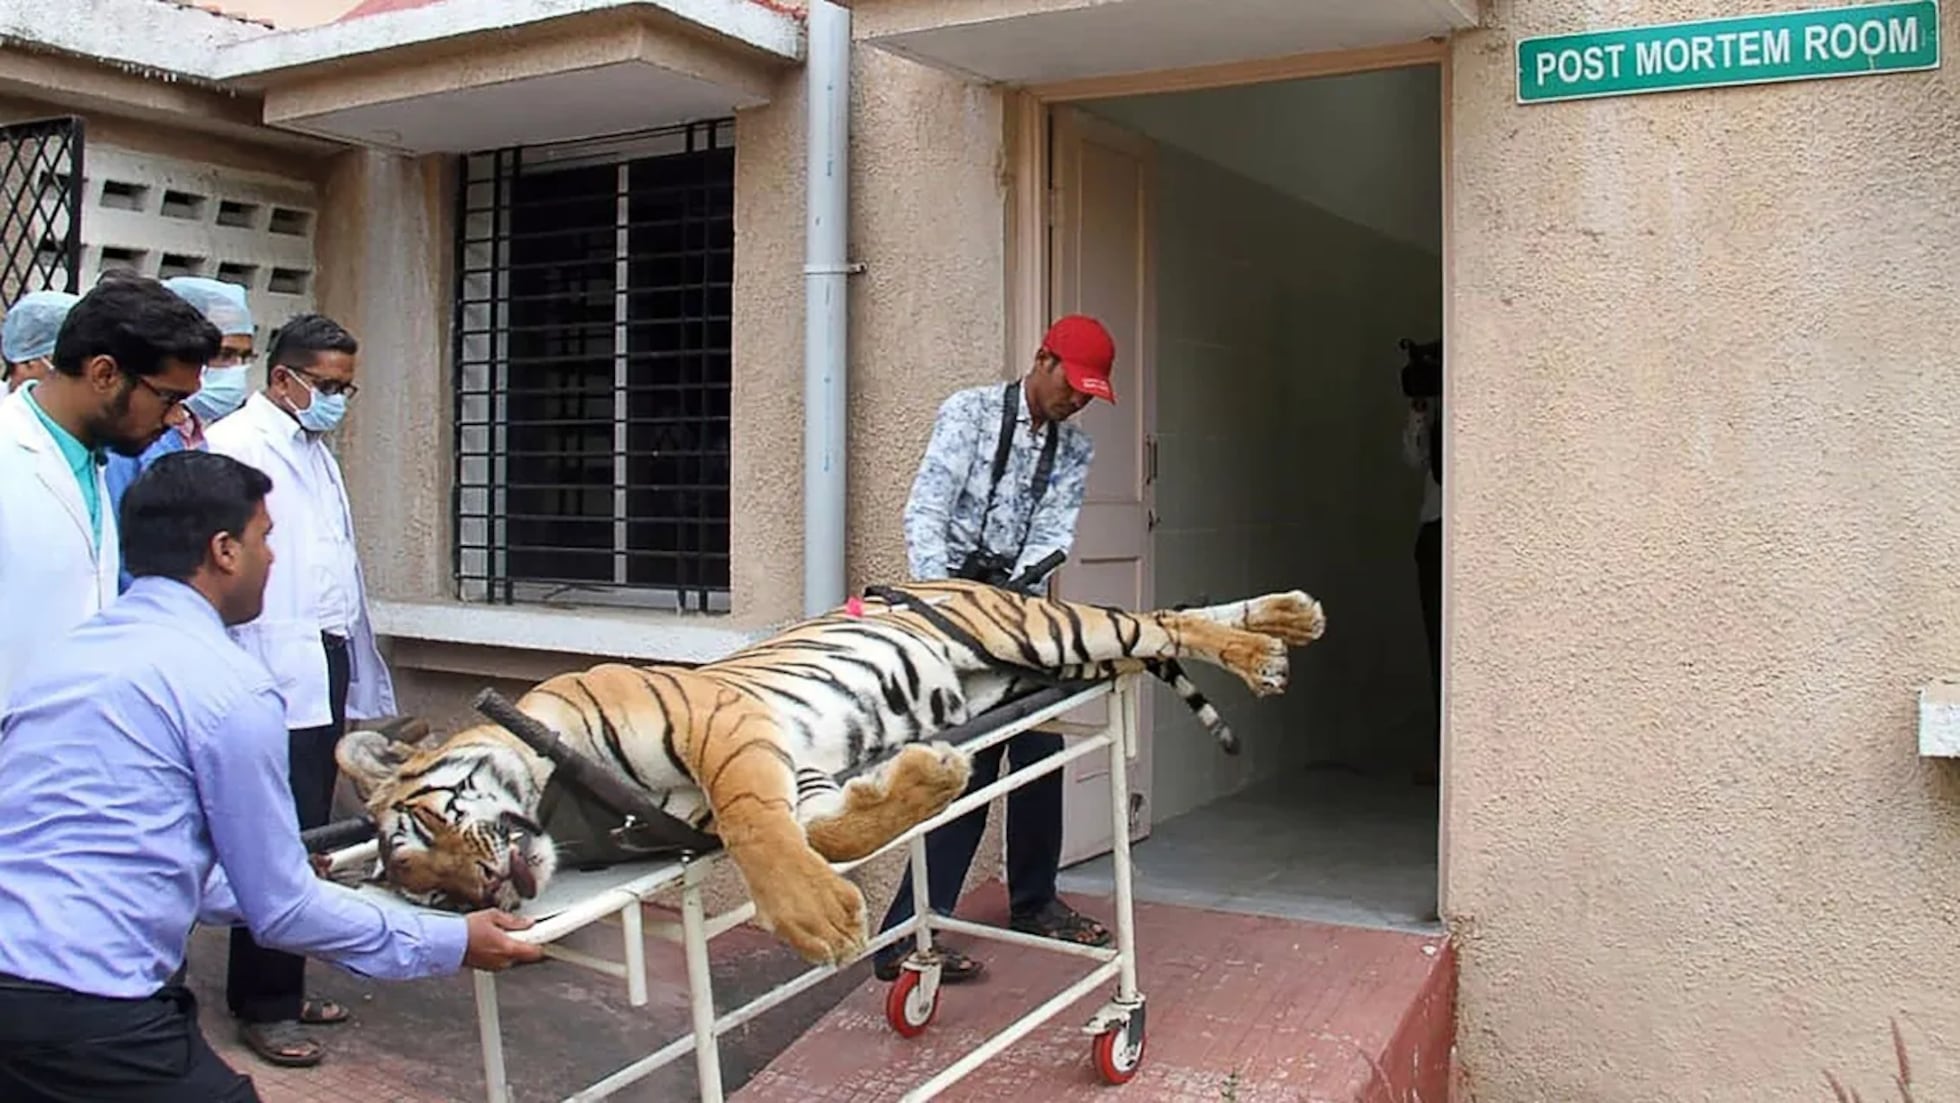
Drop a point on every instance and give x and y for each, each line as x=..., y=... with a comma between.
x=171, y=512
x=304, y=337
x=138, y=321
x=111, y=275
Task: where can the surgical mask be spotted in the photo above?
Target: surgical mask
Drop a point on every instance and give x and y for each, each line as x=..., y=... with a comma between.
x=221, y=391
x=323, y=413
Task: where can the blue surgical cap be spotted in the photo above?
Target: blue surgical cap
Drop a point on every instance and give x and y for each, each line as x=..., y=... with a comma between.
x=32, y=324
x=222, y=303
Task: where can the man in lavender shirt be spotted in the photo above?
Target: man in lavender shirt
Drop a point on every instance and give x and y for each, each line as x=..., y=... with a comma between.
x=143, y=790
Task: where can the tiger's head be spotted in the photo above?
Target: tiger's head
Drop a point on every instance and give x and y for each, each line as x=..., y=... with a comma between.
x=454, y=823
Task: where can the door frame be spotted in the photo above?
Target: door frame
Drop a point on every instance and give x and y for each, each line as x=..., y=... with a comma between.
x=1027, y=111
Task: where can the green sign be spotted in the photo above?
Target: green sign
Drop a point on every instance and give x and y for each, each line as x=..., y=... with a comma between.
x=1759, y=49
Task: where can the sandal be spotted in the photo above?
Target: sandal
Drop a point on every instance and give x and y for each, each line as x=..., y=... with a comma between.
x=954, y=967
x=282, y=1043
x=1058, y=921
x=322, y=1012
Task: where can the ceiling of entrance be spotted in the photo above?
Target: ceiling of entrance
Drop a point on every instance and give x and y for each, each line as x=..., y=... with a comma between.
x=1037, y=41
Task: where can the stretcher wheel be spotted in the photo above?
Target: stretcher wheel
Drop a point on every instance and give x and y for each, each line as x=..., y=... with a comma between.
x=1117, y=1054
x=906, y=1006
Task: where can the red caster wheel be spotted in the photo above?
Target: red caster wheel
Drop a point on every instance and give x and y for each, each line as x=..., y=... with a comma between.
x=1118, y=1052
x=907, y=1008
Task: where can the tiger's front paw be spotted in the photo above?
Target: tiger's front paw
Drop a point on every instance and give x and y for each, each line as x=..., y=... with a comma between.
x=806, y=904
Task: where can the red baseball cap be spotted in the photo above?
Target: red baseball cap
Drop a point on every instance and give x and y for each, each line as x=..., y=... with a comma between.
x=1087, y=353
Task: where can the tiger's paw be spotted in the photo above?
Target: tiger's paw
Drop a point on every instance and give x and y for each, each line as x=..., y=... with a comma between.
x=1263, y=666
x=927, y=777
x=808, y=905
x=1294, y=617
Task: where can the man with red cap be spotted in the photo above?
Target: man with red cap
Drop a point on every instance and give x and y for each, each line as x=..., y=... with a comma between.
x=997, y=494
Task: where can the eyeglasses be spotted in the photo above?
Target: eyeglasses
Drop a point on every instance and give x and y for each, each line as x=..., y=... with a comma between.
x=170, y=398
x=231, y=358
x=324, y=386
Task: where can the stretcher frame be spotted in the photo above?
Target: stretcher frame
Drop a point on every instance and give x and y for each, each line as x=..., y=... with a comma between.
x=1116, y=1028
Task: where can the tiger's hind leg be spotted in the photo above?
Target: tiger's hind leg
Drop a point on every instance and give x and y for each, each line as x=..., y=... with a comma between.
x=1293, y=617
x=847, y=823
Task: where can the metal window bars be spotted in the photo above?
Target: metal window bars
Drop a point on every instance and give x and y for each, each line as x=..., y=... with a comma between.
x=592, y=325
x=40, y=207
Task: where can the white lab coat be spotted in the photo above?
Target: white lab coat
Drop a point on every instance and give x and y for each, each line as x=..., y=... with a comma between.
x=52, y=575
x=286, y=636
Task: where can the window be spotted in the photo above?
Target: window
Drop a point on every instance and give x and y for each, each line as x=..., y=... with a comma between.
x=592, y=370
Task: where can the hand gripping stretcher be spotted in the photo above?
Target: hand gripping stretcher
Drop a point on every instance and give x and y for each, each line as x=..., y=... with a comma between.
x=666, y=853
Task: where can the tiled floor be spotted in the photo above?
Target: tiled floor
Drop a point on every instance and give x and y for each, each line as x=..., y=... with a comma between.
x=1325, y=845
x=1246, y=1008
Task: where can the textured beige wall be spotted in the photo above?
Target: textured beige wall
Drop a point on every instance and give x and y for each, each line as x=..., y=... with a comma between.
x=928, y=209
x=1704, y=528
x=384, y=245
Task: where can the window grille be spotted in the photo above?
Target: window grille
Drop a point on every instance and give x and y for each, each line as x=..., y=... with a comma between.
x=40, y=207
x=592, y=370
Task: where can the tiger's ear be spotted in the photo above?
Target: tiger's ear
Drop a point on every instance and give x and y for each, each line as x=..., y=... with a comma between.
x=369, y=759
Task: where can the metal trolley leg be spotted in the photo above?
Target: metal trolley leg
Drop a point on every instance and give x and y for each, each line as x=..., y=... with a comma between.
x=1118, y=1026
x=700, y=987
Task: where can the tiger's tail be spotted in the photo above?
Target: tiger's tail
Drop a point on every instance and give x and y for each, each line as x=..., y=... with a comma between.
x=1171, y=673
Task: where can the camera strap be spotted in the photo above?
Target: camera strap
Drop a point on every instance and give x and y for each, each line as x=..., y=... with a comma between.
x=1044, y=468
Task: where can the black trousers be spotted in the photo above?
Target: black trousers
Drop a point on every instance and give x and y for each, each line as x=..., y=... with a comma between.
x=268, y=986
x=58, y=1046
x=1429, y=580
x=1034, y=839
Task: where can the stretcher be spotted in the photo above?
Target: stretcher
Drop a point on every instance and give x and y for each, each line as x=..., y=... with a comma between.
x=576, y=899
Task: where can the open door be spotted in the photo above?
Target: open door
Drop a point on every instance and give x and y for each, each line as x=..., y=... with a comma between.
x=1099, y=263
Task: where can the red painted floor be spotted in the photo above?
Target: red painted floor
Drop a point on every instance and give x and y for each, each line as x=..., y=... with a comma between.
x=1241, y=1008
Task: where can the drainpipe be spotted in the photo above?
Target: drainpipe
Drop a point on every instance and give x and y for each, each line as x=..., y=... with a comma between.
x=826, y=272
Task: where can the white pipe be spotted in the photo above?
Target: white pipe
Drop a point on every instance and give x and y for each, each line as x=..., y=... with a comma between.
x=826, y=270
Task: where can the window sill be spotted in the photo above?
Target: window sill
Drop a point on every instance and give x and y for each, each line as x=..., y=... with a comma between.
x=611, y=633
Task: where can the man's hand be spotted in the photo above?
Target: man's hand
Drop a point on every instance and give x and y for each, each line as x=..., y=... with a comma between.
x=492, y=950
x=322, y=865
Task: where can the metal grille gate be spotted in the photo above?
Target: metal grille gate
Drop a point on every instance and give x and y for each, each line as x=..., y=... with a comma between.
x=40, y=207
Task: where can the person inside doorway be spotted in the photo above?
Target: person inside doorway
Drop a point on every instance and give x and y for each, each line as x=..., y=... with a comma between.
x=1422, y=447
x=127, y=354
x=27, y=337
x=998, y=492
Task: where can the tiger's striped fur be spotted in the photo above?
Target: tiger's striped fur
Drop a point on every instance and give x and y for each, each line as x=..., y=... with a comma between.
x=750, y=746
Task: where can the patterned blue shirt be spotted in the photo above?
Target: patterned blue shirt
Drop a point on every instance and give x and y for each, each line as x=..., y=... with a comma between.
x=943, y=516
x=143, y=788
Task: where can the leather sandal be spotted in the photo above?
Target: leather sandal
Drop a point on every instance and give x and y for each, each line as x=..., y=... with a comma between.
x=281, y=1043
x=954, y=968
x=1058, y=921
x=320, y=1011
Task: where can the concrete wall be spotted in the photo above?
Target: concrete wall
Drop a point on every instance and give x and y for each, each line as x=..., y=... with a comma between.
x=1279, y=419
x=1702, y=535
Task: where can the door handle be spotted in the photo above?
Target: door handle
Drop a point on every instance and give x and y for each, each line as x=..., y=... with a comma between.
x=1149, y=460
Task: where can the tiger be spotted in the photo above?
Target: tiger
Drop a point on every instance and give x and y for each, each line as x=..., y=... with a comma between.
x=749, y=746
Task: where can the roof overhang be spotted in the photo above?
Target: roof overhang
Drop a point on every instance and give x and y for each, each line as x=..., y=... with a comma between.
x=447, y=76
x=1032, y=42
x=461, y=75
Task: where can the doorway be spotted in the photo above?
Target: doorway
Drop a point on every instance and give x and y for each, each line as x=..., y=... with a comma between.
x=1267, y=249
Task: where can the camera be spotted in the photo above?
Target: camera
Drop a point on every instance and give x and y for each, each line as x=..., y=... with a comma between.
x=982, y=565
x=1422, y=376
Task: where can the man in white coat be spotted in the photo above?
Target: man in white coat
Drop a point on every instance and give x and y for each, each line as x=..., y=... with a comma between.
x=313, y=635
x=127, y=353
